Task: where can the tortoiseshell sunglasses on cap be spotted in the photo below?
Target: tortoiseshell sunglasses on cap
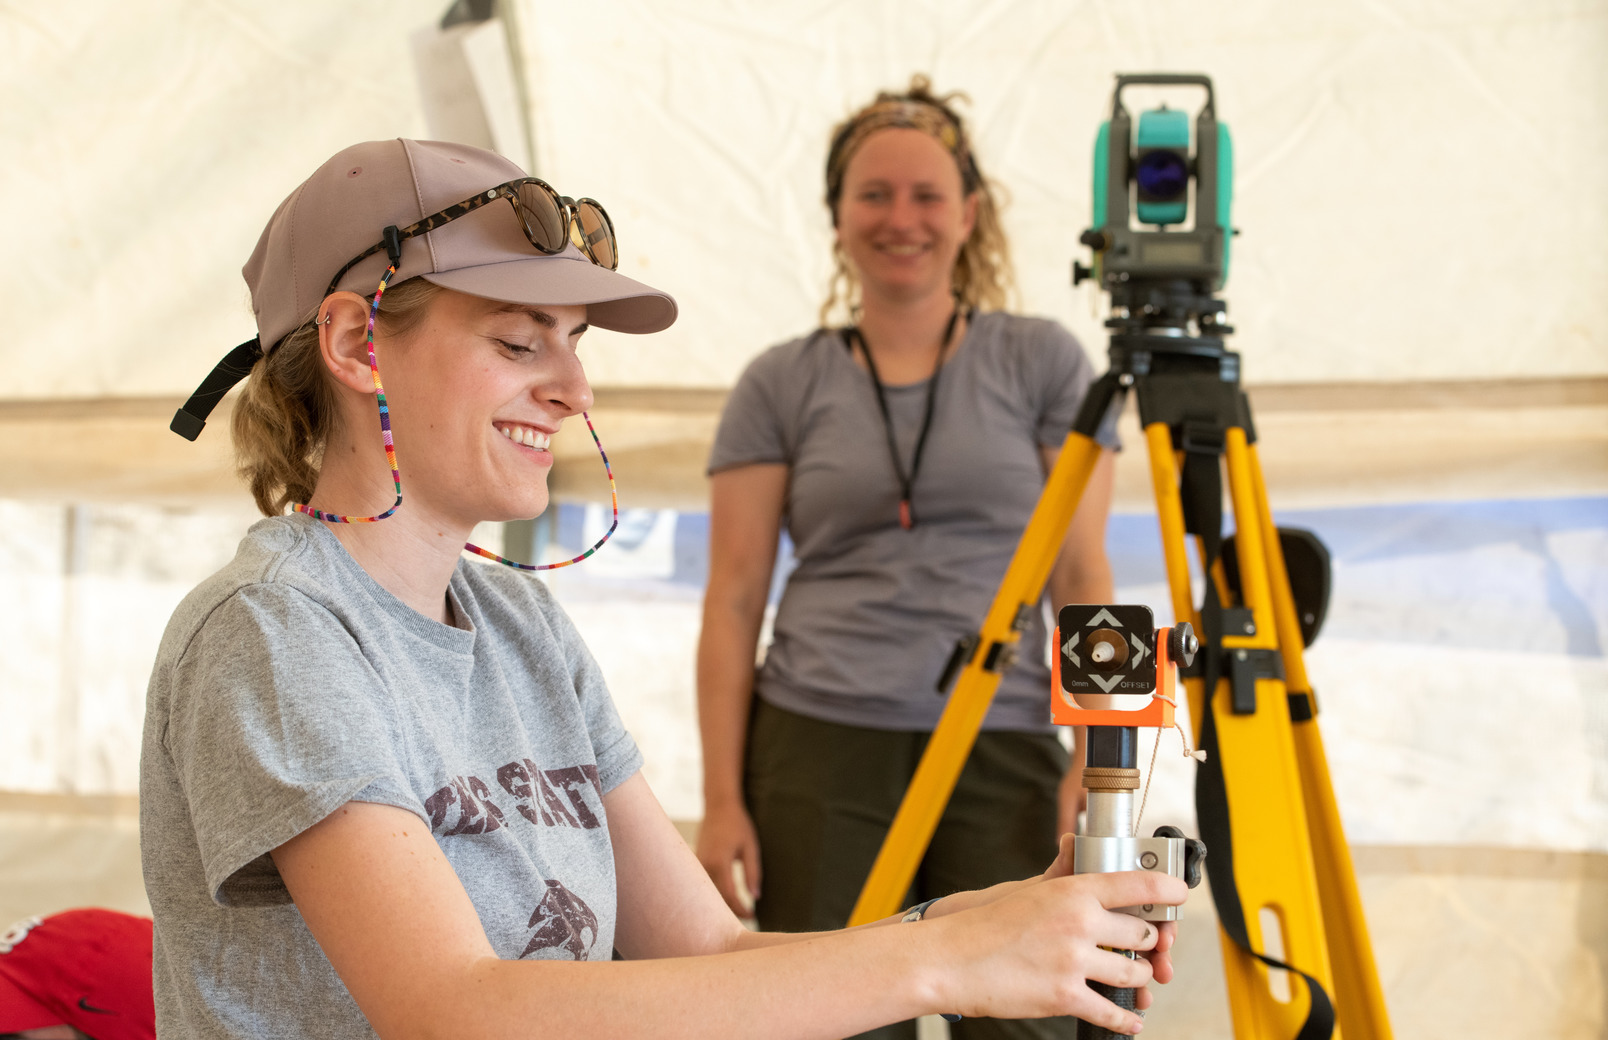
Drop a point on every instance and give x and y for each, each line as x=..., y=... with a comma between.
x=544, y=214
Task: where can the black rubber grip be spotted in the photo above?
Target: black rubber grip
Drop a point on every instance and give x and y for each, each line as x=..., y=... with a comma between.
x=1123, y=998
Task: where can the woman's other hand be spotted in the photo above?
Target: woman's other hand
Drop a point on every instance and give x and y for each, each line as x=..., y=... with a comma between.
x=727, y=838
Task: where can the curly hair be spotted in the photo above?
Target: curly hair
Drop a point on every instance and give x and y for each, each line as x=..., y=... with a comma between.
x=286, y=412
x=983, y=276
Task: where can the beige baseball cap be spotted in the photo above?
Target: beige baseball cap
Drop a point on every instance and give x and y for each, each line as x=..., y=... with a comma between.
x=343, y=209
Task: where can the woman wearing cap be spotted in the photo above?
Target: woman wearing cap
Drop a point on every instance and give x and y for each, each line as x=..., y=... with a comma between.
x=905, y=454
x=383, y=786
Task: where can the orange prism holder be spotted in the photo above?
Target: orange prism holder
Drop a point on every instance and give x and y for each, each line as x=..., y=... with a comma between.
x=1065, y=711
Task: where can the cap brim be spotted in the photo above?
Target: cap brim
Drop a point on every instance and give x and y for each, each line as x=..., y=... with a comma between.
x=612, y=300
x=19, y=1010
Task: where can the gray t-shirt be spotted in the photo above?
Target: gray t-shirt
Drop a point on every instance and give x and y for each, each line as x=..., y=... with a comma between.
x=872, y=611
x=290, y=683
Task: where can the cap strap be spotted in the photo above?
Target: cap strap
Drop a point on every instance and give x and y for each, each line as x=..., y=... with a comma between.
x=191, y=419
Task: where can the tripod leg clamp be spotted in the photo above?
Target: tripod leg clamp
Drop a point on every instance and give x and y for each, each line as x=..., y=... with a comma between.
x=1244, y=668
x=961, y=656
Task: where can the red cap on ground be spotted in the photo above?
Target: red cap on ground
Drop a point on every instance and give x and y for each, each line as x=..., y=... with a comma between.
x=90, y=969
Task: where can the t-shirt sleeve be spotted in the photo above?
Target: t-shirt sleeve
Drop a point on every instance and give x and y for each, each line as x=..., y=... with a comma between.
x=751, y=426
x=276, y=720
x=1063, y=374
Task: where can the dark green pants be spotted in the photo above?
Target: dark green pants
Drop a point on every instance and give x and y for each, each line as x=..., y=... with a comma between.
x=823, y=796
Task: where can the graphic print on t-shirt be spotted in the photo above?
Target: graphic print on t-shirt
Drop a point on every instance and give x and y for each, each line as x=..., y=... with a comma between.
x=538, y=792
x=545, y=797
x=475, y=812
x=563, y=920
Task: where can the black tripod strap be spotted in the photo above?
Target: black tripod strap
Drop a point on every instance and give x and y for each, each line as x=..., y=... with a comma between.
x=1200, y=492
x=1211, y=810
x=1201, y=486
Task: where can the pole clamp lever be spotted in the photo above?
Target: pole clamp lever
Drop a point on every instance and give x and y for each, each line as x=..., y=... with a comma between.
x=1194, y=853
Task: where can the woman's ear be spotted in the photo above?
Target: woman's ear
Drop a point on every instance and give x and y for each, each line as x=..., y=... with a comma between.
x=969, y=212
x=343, y=340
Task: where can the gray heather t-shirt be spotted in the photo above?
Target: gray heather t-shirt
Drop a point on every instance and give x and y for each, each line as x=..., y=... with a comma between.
x=872, y=611
x=290, y=683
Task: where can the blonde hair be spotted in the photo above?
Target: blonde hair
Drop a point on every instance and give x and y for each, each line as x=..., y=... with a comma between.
x=286, y=412
x=983, y=277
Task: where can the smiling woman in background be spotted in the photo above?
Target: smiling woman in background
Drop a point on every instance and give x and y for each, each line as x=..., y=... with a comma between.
x=904, y=453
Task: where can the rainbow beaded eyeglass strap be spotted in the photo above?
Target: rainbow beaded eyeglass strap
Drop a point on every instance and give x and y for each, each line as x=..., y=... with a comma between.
x=385, y=425
x=396, y=475
x=614, y=502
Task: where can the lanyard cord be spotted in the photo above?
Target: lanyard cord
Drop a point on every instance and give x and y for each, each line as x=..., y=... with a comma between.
x=907, y=517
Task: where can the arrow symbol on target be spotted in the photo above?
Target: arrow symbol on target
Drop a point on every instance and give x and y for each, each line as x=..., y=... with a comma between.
x=1069, y=649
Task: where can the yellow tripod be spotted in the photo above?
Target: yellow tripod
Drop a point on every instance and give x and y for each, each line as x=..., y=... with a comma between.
x=1277, y=855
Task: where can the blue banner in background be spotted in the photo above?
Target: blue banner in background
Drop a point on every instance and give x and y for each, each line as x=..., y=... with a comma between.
x=1526, y=576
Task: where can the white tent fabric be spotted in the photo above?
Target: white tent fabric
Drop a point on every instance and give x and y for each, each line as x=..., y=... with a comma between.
x=1404, y=183
x=146, y=146
x=1414, y=180
x=1419, y=190
x=1404, y=187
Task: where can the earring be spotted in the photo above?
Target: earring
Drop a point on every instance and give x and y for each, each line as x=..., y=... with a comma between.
x=327, y=319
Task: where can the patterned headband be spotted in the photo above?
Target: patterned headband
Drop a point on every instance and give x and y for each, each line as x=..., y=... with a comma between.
x=908, y=114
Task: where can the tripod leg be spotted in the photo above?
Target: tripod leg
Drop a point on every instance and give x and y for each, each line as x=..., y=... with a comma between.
x=1170, y=514
x=1359, y=1001
x=1271, y=863
x=952, y=740
x=1271, y=834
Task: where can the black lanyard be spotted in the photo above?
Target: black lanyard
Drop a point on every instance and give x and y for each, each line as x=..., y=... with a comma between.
x=907, y=517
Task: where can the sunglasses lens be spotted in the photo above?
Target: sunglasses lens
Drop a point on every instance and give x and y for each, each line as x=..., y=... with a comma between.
x=543, y=216
x=598, y=233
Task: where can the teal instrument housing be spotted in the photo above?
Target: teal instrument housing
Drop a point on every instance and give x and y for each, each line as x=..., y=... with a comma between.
x=1225, y=195
x=1102, y=162
x=1162, y=139
x=1163, y=192
x=1163, y=128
